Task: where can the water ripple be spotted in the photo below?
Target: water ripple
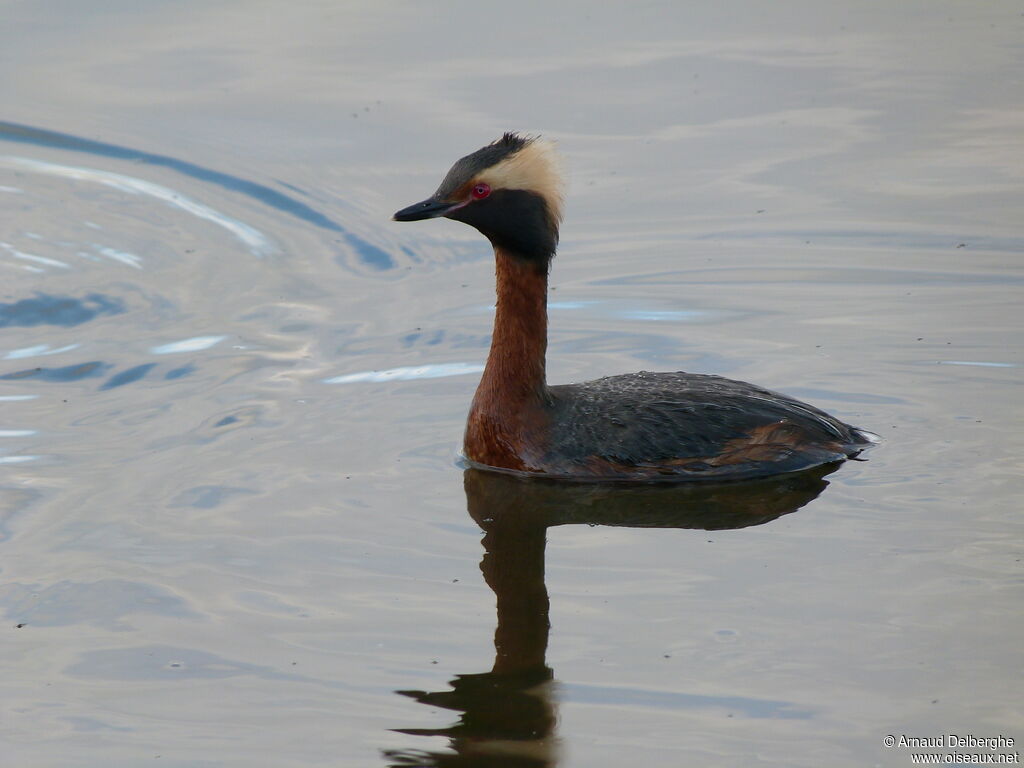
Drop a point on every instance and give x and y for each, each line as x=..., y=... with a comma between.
x=194, y=344
x=127, y=377
x=67, y=373
x=436, y=371
x=40, y=350
x=66, y=311
x=33, y=257
x=373, y=256
x=980, y=363
x=251, y=237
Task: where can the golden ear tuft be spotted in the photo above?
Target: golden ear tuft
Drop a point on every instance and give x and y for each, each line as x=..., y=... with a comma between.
x=535, y=167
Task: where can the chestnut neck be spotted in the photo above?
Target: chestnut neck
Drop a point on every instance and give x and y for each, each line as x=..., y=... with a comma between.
x=515, y=370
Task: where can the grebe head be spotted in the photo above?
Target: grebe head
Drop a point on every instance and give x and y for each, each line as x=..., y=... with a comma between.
x=510, y=190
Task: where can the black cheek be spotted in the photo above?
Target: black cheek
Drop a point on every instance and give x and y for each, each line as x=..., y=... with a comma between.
x=513, y=220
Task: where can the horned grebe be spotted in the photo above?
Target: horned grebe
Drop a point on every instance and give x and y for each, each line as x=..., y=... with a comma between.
x=637, y=426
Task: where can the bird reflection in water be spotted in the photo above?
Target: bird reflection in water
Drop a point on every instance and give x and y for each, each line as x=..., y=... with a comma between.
x=508, y=715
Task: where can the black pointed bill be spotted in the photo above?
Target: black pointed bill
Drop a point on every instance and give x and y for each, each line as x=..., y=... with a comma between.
x=428, y=209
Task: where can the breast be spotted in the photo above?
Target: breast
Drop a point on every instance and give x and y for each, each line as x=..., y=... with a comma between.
x=509, y=433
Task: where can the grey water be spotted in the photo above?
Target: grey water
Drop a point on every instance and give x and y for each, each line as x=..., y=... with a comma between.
x=234, y=530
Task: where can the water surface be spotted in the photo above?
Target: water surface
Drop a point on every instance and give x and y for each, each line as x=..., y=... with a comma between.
x=233, y=528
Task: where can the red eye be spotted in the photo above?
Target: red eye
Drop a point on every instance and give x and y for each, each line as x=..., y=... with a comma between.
x=480, y=191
